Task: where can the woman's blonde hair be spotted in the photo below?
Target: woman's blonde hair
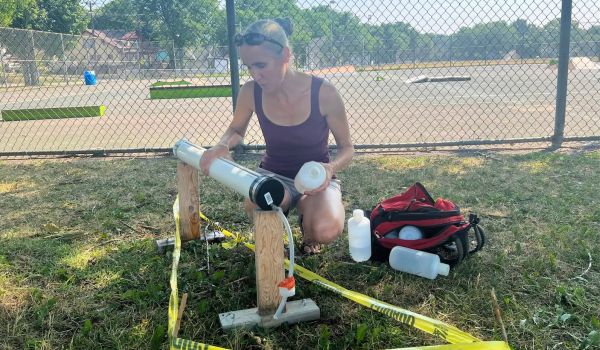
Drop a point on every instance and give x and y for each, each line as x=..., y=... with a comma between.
x=278, y=30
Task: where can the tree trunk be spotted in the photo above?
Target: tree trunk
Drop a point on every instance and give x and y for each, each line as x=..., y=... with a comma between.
x=31, y=74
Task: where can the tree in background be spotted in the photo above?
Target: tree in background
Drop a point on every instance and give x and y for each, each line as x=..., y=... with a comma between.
x=119, y=15
x=484, y=41
x=322, y=33
x=28, y=15
x=393, y=42
x=181, y=22
x=594, y=37
x=175, y=24
x=522, y=29
x=7, y=12
x=63, y=16
x=337, y=37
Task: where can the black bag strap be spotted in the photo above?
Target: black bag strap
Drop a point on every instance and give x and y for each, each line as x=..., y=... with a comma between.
x=462, y=244
x=479, y=233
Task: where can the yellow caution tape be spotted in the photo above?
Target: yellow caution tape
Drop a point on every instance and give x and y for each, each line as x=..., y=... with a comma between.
x=178, y=343
x=173, y=298
x=445, y=331
x=488, y=345
x=184, y=344
x=459, y=340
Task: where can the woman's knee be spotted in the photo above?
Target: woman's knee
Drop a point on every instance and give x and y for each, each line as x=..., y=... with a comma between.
x=323, y=230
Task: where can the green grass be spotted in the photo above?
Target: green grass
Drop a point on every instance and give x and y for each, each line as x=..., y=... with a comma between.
x=190, y=92
x=53, y=113
x=79, y=268
x=171, y=83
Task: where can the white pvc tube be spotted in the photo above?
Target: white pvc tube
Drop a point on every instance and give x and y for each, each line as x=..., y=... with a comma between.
x=236, y=177
x=291, y=250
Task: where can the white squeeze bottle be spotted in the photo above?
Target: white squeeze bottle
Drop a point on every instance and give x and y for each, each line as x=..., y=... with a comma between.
x=359, y=236
x=417, y=262
x=310, y=176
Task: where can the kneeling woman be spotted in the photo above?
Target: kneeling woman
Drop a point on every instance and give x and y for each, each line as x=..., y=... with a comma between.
x=296, y=112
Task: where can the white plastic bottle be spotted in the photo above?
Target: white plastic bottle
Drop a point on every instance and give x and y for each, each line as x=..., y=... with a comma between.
x=310, y=176
x=359, y=236
x=417, y=262
x=410, y=233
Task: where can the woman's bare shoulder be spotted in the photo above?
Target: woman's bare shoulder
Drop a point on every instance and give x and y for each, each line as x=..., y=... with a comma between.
x=246, y=95
x=328, y=94
x=249, y=85
x=247, y=88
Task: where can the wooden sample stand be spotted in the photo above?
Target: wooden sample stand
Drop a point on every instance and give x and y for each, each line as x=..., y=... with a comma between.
x=189, y=207
x=269, y=272
x=268, y=253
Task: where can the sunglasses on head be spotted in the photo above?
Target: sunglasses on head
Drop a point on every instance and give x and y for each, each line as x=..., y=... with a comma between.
x=254, y=39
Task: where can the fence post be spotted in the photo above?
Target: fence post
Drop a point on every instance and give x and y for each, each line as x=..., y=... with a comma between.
x=563, y=74
x=413, y=44
x=137, y=55
x=485, y=55
x=450, y=51
x=4, y=78
x=233, y=58
x=174, y=58
x=62, y=45
x=30, y=70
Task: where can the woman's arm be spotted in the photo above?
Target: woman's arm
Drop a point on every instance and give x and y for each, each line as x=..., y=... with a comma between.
x=241, y=117
x=235, y=131
x=332, y=107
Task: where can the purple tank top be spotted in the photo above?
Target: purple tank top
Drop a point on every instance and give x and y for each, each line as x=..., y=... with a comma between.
x=289, y=147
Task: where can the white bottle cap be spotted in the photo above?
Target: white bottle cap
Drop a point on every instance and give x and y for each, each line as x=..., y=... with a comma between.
x=314, y=172
x=310, y=176
x=443, y=269
x=358, y=214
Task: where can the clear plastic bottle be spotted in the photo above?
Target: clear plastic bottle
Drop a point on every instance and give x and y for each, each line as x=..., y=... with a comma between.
x=359, y=236
x=310, y=176
x=410, y=233
x=417, y=262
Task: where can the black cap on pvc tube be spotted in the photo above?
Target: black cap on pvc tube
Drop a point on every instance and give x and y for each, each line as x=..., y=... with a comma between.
x=266, y=191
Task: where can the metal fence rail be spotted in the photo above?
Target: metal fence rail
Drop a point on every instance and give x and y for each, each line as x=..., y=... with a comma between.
x=432, y=73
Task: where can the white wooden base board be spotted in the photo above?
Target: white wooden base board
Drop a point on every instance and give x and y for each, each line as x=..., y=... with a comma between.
x=296, y=311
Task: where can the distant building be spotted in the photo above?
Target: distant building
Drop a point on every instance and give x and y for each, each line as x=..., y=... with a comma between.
x=9, y=62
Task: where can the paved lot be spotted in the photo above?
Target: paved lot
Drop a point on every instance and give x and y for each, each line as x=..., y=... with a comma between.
x=499, y=102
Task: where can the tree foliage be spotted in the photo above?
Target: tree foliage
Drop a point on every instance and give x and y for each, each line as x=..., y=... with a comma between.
x=340, y=36
x=118, y=14
x=62, y=16
x=7, y=12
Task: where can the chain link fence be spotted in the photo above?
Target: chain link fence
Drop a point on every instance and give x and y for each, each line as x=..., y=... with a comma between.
x=422, y=74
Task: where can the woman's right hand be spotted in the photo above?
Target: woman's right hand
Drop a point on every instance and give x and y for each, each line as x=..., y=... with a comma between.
x=218, y=151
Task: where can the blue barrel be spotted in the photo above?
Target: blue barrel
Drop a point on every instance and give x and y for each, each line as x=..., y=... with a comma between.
x=89, y=77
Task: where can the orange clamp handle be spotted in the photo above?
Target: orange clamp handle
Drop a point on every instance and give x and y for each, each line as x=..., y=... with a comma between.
x=288, y=283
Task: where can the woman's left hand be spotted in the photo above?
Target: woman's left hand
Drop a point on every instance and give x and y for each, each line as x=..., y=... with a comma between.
x=329, y=171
